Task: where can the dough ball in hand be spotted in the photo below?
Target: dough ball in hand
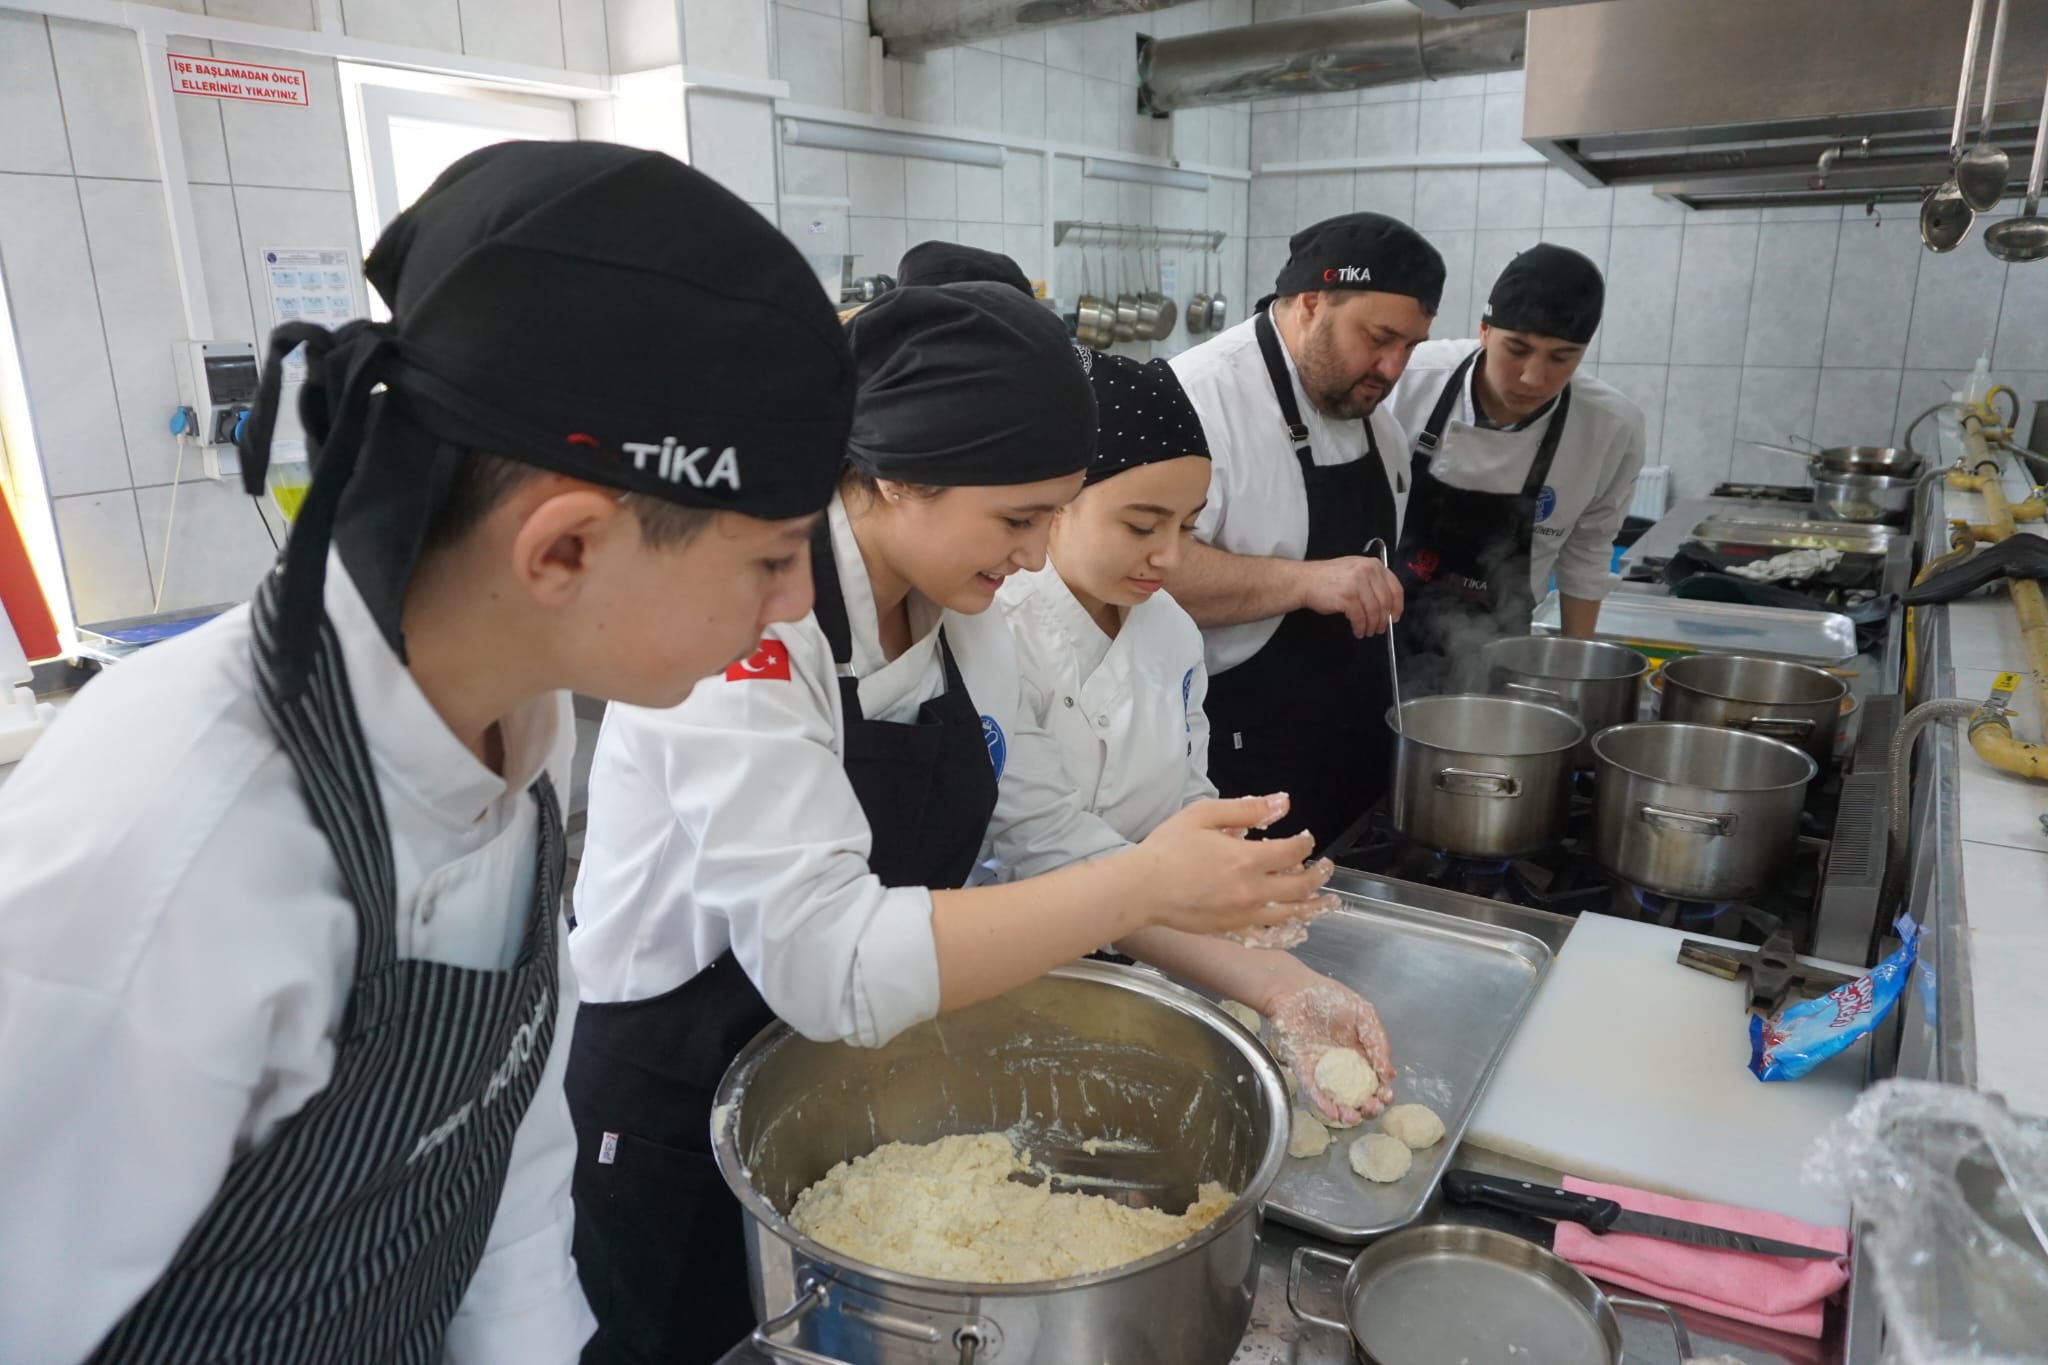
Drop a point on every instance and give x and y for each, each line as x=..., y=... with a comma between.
x=1380, y=1158
x=1346, y=1077
x=1415, y=1125
x=1306, y=1135
x=1246, y=1015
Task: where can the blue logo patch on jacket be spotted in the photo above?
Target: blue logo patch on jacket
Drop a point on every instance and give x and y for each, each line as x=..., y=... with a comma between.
x=998, y=747
x=1546, y=503
x=1187, y=688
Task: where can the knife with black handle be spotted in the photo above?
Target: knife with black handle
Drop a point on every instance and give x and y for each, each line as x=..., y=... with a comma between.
x=1599, y=1215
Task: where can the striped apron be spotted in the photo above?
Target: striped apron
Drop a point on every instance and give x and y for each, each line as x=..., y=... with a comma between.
x=351, y=1232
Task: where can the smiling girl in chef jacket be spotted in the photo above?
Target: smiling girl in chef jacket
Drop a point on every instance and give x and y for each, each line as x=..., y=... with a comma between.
x=789, y=841
x=1113, y=671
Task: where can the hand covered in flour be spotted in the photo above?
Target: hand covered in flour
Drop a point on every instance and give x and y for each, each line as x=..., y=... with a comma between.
x=1312, y=1019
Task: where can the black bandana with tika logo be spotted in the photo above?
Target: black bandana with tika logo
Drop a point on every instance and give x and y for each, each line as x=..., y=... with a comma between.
x=1363, y=251
x=597, y=310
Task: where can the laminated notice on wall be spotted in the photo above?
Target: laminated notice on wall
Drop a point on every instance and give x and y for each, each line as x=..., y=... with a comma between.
x=219, y=79
x=308, y=284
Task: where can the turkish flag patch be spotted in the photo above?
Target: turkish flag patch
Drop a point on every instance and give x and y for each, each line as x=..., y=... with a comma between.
x=771, y=660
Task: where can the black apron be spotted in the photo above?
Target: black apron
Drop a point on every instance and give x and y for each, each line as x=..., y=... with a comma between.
x=351, y=1232
x=660, y=1239
x=1307, y=714
x=1464, y=556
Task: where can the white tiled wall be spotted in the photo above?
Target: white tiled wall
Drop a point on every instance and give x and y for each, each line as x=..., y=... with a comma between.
x=1076, y=83
x=1724, y=326
x=85, y=251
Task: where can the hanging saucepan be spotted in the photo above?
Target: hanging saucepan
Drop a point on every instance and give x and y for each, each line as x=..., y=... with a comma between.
x=1126, y=303
x=1198, y=306
x=1156, y=312
x=1219, y=303
x=1094, y=320
x=1445, y=1292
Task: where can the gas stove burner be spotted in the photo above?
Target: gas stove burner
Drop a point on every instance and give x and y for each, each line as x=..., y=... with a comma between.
x=1459, y=865
x=1658, y=907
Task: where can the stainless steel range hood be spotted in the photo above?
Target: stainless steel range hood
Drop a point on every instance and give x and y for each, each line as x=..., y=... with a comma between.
x=1736, y=103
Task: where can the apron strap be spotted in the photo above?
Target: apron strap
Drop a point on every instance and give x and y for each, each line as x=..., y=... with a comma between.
x=1432, y=432
x=1283, y=390
x=1539, y=468
x=829, y=606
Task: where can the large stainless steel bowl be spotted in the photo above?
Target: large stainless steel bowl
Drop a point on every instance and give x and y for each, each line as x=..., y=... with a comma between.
x=1840, y=495
x=1793, y=702
x=1482, y=777
x=1091, y=1051
x=1601, y=684
x=1695, y=811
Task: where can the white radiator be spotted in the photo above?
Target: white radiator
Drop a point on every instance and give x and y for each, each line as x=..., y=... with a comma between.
x=1653, y=492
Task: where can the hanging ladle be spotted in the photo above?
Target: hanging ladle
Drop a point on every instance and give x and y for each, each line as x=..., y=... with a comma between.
x=1944, y=218
x=2025, y=238
x=1981, y=174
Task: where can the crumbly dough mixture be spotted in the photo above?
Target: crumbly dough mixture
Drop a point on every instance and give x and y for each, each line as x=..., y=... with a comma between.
x=948, y=1210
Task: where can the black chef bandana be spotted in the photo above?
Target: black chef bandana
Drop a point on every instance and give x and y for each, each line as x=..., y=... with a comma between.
x=594, y=309
x=1549, y=291
x=1142, y=414
x=951, y=263
x=967, y=384
x=1363, y=251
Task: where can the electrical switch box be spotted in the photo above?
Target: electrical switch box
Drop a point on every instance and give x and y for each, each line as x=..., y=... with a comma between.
x=217, y=387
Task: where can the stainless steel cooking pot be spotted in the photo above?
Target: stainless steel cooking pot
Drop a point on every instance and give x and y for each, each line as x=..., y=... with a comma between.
x=1695, y=811
x=1446, y=1292
x=1481, y=777
x=1601, y=684
x=1091, y=1051
x=1792, y=702
x=1841, y=495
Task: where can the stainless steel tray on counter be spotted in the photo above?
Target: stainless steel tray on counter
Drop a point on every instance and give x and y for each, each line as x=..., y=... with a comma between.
x=1451, y=992
x=1847, y=536
x=1662, y=625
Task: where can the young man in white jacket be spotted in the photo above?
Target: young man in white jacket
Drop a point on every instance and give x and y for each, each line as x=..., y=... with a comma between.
x=284, y=1000
x=1521, y=467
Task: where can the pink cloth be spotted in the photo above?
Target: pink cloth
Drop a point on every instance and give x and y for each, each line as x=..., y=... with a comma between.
x=1779, y=1292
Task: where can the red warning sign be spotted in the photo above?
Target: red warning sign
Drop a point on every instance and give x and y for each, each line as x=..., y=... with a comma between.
x=223, y=80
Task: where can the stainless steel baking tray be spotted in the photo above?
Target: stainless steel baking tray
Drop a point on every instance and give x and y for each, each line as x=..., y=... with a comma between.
x=1848, y=537
x=1666, y=625
x=1451, y=993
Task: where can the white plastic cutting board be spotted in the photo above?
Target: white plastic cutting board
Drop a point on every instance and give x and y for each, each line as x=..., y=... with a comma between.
x=1633, y=1070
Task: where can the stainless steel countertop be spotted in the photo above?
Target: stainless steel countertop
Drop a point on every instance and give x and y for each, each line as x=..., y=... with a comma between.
x=1277, y=1337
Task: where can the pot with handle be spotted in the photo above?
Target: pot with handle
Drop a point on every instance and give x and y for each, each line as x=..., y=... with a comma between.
x=1090, y=1050
x=1094, y=321
x=1797, y=703
x=1443, y=1292
x=1599, y=684
x=1156, y=312
x=1890, y=461
x=1695, y=811
x=1481, y=777
x=1198, y=306
x=1843, y=496
x=1127, y=304
x=1219, y=303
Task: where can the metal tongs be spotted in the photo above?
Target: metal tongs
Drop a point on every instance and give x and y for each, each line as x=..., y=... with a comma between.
x=1377, y=548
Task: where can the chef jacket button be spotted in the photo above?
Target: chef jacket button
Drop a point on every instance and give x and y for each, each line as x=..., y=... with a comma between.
x=1102, y=721
x=1070, y=701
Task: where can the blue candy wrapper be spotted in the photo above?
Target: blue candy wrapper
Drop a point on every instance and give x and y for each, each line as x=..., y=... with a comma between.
x=1800, y=1037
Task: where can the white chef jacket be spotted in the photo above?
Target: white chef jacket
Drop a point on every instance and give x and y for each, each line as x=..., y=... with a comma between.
x=1125, y=712
x=1592, y=477
x=175, y=954
x=729, y=821
x=1257, y=505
